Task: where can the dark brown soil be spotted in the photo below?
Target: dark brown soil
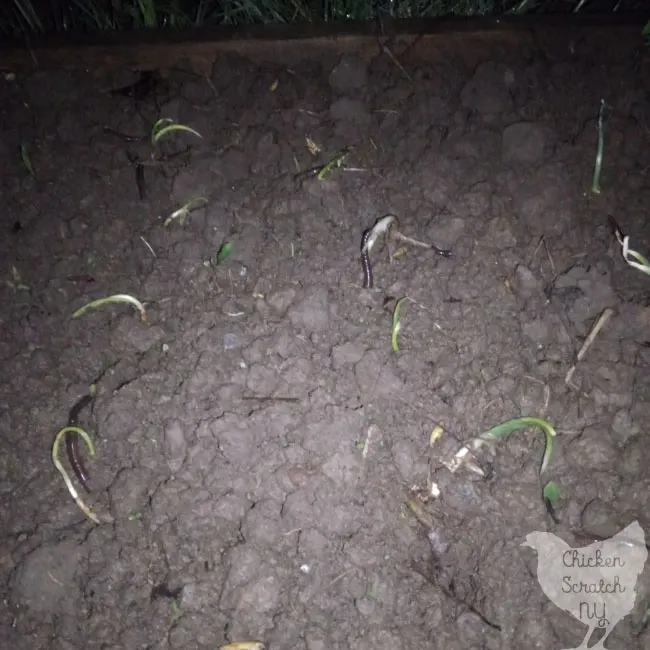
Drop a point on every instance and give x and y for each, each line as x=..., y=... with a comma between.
x=237, y=513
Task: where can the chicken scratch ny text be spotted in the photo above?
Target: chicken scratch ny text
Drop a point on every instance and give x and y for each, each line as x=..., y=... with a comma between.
x=575, y=558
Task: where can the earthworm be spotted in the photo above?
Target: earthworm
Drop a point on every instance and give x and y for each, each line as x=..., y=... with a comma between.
x=72, y=441
x=365, y=260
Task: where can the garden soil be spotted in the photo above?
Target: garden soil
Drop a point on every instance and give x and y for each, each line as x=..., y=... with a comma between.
x=264, y=467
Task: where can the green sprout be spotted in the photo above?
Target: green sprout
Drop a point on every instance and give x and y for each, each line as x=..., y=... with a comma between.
x=505, y=428
x=165, y=125
x=176, y=611
x=397, y=326
x=184, y=211
x=57, y=463
x=595, y=185
x=119, y=297
x=551, y=496
x=24, y=155
x=551, y=493
x=336, y=161
x=222, y=254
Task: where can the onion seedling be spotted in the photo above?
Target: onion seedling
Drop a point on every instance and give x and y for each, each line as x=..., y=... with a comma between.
x=118, y=297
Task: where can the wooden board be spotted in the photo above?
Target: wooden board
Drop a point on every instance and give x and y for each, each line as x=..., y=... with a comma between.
x=152, y=49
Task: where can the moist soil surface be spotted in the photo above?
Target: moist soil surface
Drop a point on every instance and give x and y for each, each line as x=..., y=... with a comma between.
x=263, y=467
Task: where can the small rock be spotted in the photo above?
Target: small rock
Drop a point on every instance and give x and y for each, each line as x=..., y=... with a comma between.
x=349, y=75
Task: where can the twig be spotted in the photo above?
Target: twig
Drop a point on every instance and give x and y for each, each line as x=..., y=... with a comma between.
x=598, y=325
x=394, y=59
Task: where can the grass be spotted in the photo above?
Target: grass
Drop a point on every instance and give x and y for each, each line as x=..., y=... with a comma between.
x=19, y=18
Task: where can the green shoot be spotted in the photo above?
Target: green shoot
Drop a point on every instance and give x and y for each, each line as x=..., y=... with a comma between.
x=505, y=428
x=551, y=493
x=110, y=299
x=223, y=252
x=176, y=611
x=397, y=326
x=595, y=185
x=165, y=125
x=57, y=463
x=24, y=155
x=337, y=161
x=184, y=211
